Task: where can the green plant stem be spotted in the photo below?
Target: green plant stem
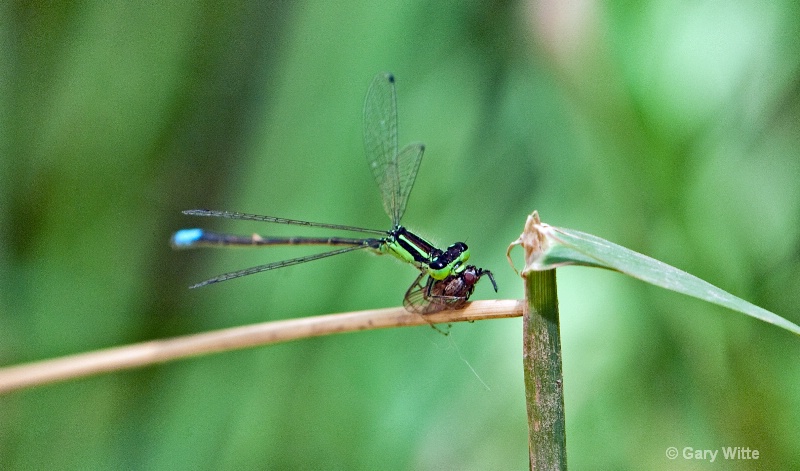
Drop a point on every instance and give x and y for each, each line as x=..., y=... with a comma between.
x=544, y=395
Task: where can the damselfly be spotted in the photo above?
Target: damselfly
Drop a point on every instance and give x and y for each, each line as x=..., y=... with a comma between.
x=444, y=282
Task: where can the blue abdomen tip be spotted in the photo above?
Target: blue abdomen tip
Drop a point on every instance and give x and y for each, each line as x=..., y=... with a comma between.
x=185, y=237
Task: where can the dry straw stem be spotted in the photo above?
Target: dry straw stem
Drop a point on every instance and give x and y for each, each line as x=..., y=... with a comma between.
x=236, y=338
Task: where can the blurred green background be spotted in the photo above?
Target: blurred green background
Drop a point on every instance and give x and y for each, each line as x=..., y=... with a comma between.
x=668, y=127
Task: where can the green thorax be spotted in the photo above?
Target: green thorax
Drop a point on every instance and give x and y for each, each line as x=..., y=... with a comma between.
x=417, y=251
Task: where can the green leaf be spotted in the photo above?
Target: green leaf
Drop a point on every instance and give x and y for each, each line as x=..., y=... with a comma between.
x=561, y=247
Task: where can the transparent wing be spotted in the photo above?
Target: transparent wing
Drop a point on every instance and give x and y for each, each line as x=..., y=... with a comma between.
x=417, y=299
x=394, y=171
x=407, y=166
x=256, y=217
x=272, y=266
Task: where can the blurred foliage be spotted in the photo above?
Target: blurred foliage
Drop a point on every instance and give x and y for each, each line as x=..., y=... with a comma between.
x=668, y=127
